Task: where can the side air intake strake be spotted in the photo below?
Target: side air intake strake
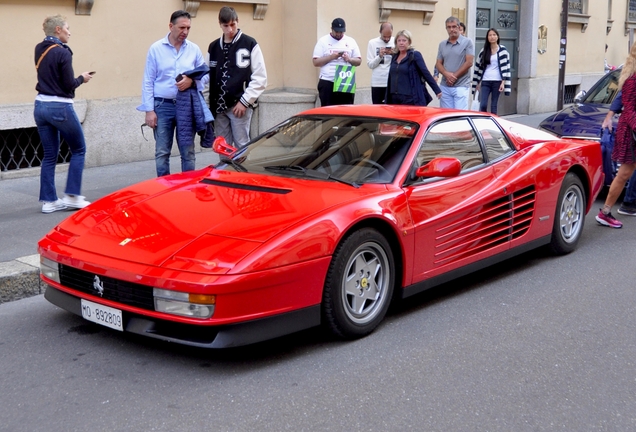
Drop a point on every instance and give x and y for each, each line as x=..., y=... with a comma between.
x=493, y=224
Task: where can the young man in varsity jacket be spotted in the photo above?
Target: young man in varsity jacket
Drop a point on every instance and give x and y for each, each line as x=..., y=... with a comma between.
x=237, y=79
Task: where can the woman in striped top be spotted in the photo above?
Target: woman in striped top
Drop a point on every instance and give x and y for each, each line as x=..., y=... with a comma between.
x=492, y=72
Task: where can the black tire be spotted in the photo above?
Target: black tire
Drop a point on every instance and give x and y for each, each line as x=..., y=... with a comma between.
x=569, y=216
x=359, y=284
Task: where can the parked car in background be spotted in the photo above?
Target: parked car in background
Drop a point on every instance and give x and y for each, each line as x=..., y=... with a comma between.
x=585, y=116
x=325, y=219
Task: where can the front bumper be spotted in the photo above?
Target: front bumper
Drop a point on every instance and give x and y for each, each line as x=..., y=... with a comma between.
x=225, y=336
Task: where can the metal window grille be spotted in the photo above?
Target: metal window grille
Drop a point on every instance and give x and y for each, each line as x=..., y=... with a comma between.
x=570, y=93
x=22, y=148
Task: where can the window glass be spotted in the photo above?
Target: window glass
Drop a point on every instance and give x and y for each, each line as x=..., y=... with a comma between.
x=340, y=148
x=495, y=141
x=605, y=91
x=456, y=139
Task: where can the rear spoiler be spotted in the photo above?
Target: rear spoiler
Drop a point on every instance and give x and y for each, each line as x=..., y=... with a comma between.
x=581, y=138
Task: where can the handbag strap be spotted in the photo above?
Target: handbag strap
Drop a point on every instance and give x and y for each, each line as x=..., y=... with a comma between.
x=37, y=65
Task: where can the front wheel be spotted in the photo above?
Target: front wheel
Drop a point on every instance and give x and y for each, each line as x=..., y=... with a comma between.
x=359, y=284
x=569, y=216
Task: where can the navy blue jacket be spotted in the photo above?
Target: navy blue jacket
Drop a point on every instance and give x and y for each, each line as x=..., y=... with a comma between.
x=419, y=75
x=190, y=117
x=55, y=73
x=617, y=103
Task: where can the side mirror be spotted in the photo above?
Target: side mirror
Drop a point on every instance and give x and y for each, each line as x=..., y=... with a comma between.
x=580, y=96
x=440, y=167
x=221, y=147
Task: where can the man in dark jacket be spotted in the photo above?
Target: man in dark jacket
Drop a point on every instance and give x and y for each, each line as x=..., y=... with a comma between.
x=237, y=79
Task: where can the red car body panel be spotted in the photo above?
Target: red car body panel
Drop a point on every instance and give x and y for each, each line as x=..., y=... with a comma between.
x=263, y=243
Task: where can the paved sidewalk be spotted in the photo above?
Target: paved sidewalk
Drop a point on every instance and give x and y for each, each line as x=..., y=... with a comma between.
x=23, y=223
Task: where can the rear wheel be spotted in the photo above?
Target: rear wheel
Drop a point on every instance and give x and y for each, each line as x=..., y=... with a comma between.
x=570, y=216
x=359, y=284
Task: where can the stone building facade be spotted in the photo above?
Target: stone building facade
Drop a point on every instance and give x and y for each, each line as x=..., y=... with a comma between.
x=112, y=37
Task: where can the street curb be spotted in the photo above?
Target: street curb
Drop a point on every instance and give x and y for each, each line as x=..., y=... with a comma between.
x=20, y=278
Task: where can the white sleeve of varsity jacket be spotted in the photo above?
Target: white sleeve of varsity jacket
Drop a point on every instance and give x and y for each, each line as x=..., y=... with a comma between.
x=259, y=78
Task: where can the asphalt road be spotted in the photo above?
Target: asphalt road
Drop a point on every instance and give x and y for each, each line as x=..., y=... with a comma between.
x=536, y=343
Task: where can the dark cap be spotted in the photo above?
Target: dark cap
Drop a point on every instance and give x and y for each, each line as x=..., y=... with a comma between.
x=338, y=25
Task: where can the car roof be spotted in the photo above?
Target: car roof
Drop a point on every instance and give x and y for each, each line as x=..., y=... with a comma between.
x=397, y=112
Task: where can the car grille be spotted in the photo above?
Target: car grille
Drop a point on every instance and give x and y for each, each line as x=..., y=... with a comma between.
x=119, y=291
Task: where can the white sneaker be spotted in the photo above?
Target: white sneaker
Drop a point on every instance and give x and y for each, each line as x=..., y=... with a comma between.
x=50, y=207
x=74, y=201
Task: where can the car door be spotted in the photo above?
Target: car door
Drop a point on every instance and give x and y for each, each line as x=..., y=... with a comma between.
x=462, y=219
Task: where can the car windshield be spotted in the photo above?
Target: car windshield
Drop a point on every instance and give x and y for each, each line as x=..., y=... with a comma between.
x=605, y=90
x=352, y=150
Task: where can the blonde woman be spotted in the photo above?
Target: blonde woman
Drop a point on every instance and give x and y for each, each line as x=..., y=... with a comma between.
x=55, y=116
x=624, y=147
x=408, y=74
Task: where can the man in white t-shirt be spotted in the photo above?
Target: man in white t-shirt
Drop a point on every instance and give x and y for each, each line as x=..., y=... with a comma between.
x=330, y=51
x=379, y=53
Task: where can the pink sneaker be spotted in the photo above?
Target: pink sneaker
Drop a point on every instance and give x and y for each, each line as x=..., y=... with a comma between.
x=608, y=220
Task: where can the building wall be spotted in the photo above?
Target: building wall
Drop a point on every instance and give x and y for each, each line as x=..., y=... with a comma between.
x=114, y=40
x=585, y=52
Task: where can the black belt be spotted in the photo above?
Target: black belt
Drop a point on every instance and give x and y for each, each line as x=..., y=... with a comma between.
x=165, y=100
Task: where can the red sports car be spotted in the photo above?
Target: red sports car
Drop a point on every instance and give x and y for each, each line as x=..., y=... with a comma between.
x=324, y=219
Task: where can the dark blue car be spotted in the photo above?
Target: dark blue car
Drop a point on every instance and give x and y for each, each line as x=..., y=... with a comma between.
x=585, y=116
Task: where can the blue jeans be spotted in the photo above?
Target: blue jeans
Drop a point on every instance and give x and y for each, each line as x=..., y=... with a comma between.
x=54, y=119
x=487, y=89
x=164, y=136
x=630, y=193
x=454, y=97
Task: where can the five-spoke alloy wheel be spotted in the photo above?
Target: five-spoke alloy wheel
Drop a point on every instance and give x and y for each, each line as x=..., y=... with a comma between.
x=569, y=217
x=359, y=284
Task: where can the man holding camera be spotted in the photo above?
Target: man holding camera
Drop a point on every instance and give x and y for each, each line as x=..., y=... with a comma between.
x=379, y=53
x=336, y=55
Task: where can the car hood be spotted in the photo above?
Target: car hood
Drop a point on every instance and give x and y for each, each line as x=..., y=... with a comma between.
x=154, y=220
x=577, y=120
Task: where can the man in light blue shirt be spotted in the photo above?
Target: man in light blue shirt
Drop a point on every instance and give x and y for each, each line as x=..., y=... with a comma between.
x=167, y=59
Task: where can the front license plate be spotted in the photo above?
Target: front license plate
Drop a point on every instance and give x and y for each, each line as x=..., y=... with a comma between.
x=104, y=315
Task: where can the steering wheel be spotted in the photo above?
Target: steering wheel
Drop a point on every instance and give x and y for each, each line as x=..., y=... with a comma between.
x=373, y=163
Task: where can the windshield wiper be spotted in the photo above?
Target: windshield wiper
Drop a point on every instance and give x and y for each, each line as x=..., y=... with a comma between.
x=237, y=165
x=312, y=173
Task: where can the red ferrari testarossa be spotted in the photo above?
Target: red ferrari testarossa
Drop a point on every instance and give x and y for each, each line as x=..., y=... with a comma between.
x=324, y=219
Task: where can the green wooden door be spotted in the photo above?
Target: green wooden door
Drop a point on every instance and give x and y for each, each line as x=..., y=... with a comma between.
x=502, y=15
